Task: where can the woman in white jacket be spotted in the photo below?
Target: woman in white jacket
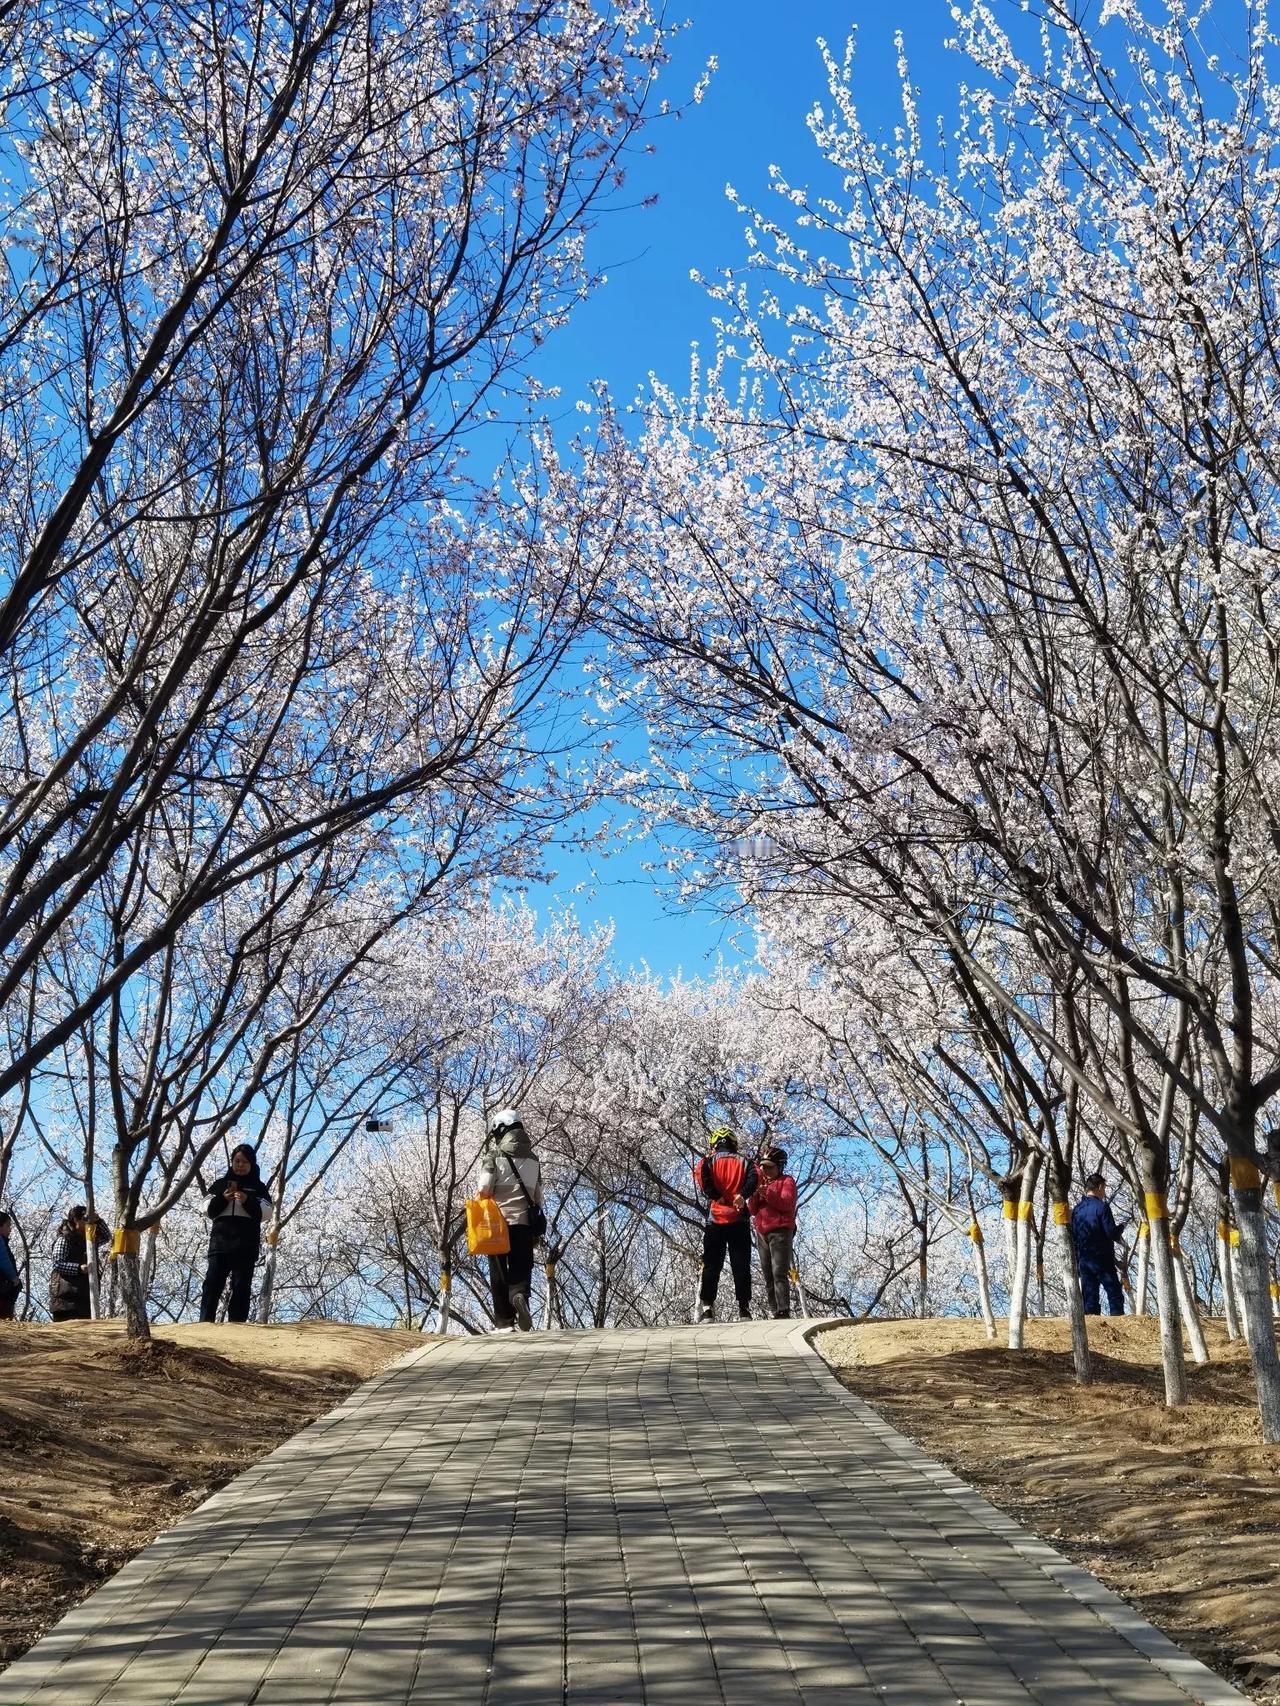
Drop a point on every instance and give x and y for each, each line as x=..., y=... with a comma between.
x=511, y=1174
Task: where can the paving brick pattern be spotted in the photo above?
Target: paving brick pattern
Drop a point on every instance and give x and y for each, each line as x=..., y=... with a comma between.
x=694, y=1515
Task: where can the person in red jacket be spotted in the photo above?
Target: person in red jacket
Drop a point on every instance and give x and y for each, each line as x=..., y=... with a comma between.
x=726, y=1181
x=773, y=1214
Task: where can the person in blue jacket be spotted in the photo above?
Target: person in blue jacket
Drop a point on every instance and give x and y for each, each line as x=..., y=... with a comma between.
x=1095, y=1234
x=10, y=1278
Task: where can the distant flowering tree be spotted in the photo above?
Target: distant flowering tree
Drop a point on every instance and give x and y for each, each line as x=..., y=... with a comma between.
x=956, y=577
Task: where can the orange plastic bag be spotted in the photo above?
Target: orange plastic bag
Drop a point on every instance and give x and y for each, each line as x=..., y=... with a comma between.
x=487, y=1233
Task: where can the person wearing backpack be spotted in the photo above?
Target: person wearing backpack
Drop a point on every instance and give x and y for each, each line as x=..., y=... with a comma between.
x=726, y=1181
x=511, y=1174
x=773, y=1214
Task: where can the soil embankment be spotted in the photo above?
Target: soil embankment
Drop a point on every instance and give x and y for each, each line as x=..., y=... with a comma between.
x=1177, y=1510
x=104, y=1443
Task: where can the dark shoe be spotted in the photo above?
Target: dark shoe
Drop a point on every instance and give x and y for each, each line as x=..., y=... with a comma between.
x=523, y=1318
x=744, y=1314
x=705, y=1312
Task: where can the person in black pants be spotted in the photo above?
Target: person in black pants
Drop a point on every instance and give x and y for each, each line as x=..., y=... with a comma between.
x=511, y=1174
x=726, y=1181
x=236, y=1207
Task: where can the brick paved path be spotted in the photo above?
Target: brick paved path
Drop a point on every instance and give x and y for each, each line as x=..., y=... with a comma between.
x=696, y=1515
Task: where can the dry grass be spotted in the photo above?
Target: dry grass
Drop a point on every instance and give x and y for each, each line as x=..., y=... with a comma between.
x=105, y=1443
x=1175, y=1509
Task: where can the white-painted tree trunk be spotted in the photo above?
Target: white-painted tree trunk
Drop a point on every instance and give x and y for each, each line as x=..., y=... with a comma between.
x=267, y=1284
x=1237, y=1281
x=1171, y=1357
x=444, y=1314
x=1060, y=1219
x=1143, y=1270
x=1187, y=1305
x=1255, y=1287
x=983, y=1278
x=795, y=1280
x=1226, y=1273
x=94, y=1273
x=1009, y=1226
x=1021, y=1279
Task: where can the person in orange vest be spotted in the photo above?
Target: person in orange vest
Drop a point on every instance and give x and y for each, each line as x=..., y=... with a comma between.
x=726, y=1181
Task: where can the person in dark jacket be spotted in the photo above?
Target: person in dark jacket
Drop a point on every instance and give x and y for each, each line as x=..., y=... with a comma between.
x=69, y=1276
x=10, y=1278
x=726, y=1181
x=773, y=1214
x=237, y=1205
x=1095, y=1234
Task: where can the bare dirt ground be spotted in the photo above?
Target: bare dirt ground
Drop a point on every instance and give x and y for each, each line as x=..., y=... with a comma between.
x=104, y=1443
x=1177, y=1510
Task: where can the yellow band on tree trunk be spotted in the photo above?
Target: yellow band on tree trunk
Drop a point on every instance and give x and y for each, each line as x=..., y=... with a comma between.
x=1156, y=1204
x=125, y=1241
x=1024, y=1211
x=1244, y=1174
x=1233, y=1237
x=1061, y=1214
x=1144, y=1230
x=273, y=1237
x=1010, y=1210
x=975, y=1232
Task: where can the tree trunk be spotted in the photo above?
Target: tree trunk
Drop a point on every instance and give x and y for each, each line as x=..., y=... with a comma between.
x=149, y=1258
x=1175, y=1368
x=1009, y=1225
x=94, y=1272
x=444, y=1314
x=1143, y=1270
x=549, y=1301
x=1061, y=1220
x=984, y=1279
x=1255, y=1278
x=267, y=1284
x=794, y=1277
x=1022, y=1256
x=1237, y=1279
x=137, y=1326
x=1226, y=1273
x=1187, y=1304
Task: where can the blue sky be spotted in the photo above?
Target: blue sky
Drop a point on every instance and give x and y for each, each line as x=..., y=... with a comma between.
x=649, y=313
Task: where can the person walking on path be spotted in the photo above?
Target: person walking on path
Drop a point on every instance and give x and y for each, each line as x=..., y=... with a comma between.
x=726, y=1181
x=237, y=1205
x=10, y=1279
x=772, y=1207
x=1095, y=1234
x=511, y=1174
x=69, y=1277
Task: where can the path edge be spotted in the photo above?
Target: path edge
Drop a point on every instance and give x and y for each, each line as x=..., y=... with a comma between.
x=1190, y=1674
x=82, y=1620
